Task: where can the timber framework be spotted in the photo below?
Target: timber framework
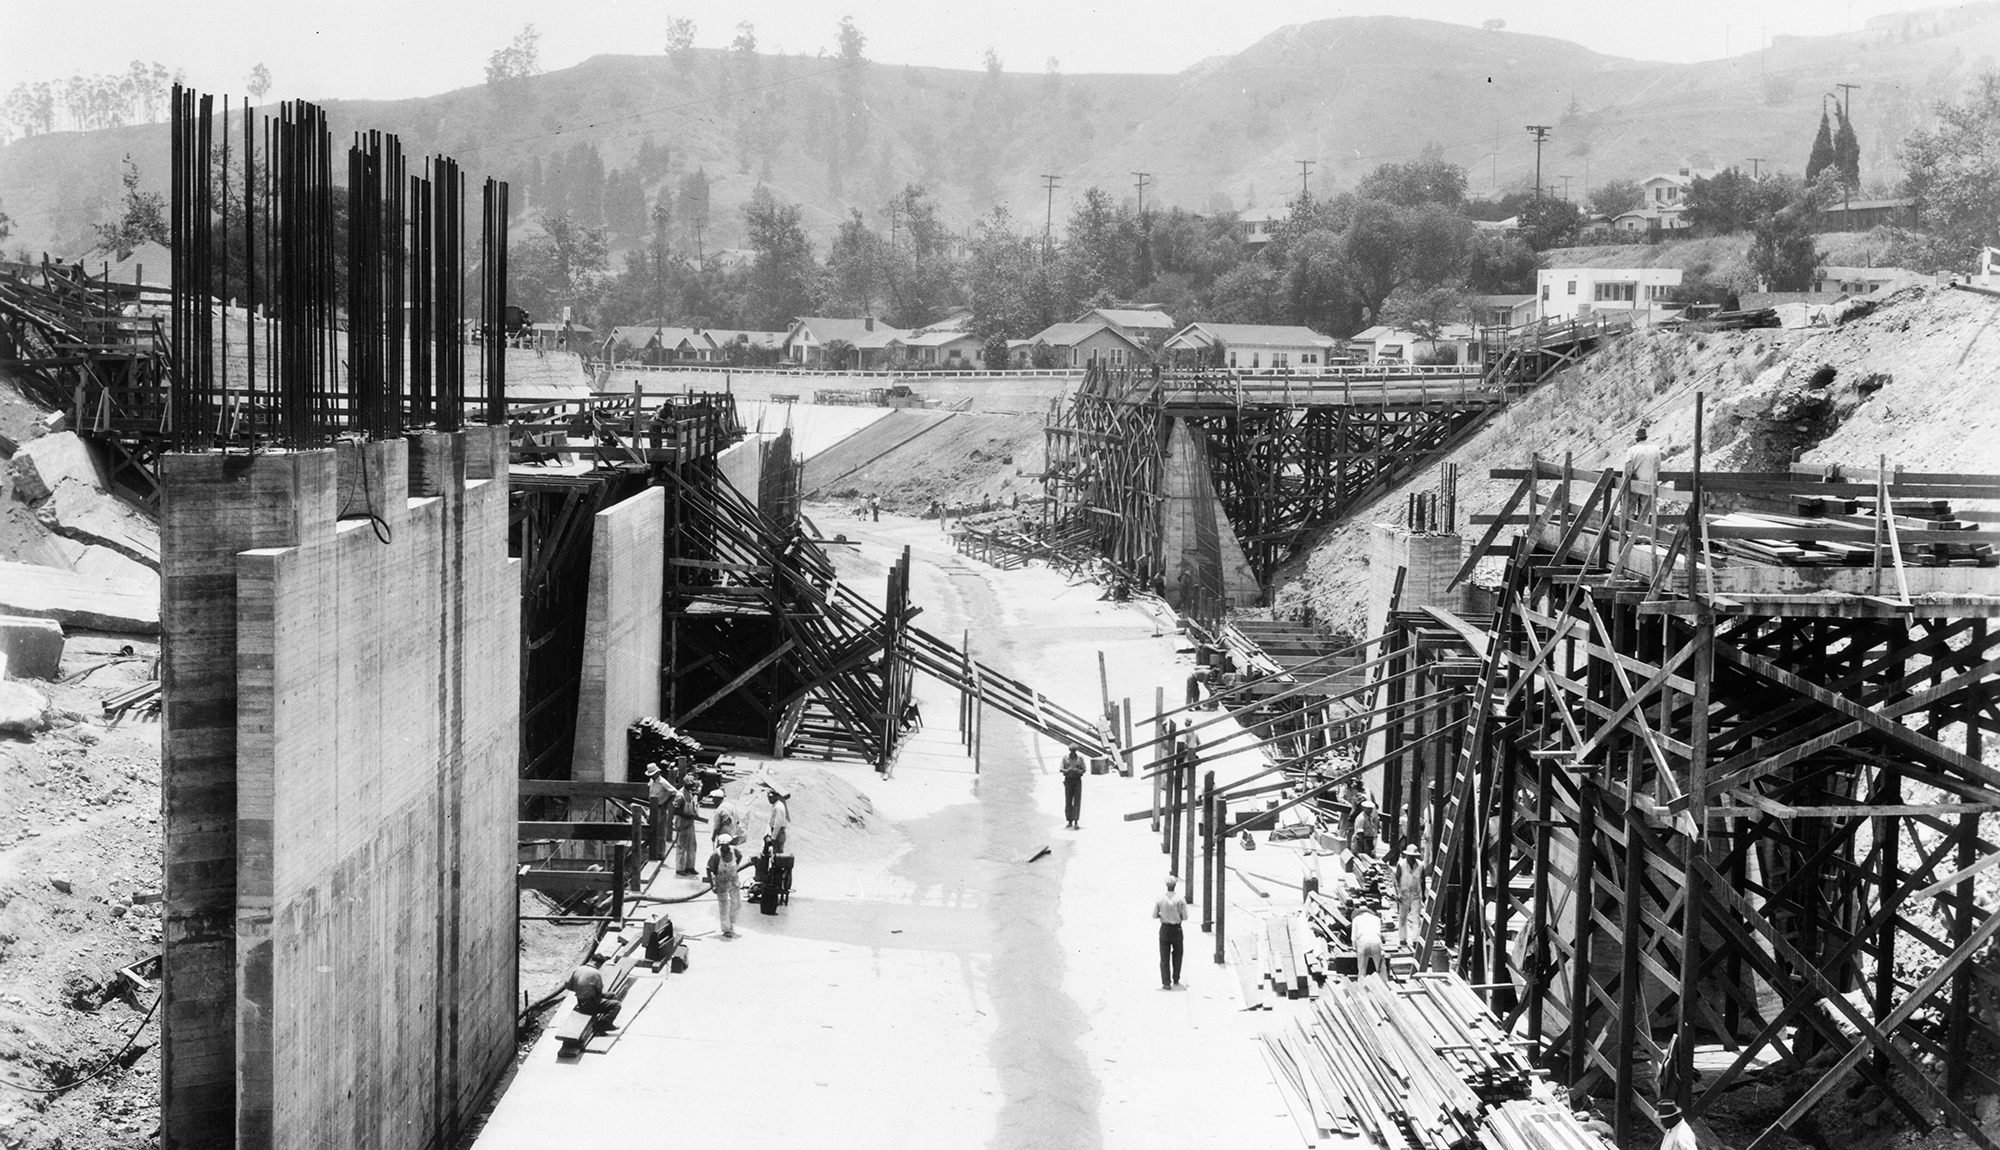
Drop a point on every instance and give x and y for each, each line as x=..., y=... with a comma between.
x=1709, y=779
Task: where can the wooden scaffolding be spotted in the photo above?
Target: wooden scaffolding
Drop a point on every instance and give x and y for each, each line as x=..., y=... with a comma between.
x=1714, y=781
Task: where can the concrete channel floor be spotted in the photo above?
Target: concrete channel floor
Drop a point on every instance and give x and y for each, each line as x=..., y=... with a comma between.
x=953, y=994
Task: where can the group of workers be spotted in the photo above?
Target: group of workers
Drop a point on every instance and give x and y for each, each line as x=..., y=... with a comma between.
x=675, y=792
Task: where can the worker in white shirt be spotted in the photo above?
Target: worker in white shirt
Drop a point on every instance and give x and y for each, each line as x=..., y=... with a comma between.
x=1642, y=465
x=1172, y=911
x=781, y=820
x=1680, y=1132
x=1365, y=931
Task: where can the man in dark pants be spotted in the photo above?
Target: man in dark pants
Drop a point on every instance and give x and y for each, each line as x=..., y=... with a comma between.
x=1072, y=773
x=586, y=982
x=1172, y=911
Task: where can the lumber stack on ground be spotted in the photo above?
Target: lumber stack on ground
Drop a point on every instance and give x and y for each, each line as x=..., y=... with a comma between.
x=1526, y=1124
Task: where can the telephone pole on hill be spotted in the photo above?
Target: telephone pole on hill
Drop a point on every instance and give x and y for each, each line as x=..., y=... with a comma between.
x=1754, y=161
x=1541, y=132
x=1049, y=218
x=1846, y=100
x=1143, y=177
x=1305, y=169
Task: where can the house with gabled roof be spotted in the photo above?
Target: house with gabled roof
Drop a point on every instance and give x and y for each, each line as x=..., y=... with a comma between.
x=1139, y=323
x=939, y=347
x=1256, y=346
x=1083, y=344
x=807, y=339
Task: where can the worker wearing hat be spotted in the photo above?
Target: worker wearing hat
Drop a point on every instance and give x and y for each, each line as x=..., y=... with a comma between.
x=1171, y=909
x=723, y=866
x=1680, y=1132
x=1362, y=840
x=1365, y=932
x=659, y=800
x=1409, y=885
x=781, y=818
x=684, y=816
x=728, y=820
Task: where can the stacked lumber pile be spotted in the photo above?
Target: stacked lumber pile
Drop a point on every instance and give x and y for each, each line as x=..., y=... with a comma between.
x=1462, y=1032
x=1362, y=1064
x=1282, y=960
x=1536, y=1125
x=1837, y=532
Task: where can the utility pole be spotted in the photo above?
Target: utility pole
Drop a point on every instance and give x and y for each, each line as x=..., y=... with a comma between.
x=1305, y=169
x=700, y=261
x=1565, y=178
x=1846, y=100
x=1143, y=177
x=1541, y=132
x=1049, y=218
x=1754, y=161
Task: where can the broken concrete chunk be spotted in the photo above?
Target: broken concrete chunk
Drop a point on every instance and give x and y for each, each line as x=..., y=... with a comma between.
x=32, y=648
x=61, y=882
x=23, y=710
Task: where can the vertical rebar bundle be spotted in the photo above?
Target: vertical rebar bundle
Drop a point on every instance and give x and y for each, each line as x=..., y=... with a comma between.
x=363, y=301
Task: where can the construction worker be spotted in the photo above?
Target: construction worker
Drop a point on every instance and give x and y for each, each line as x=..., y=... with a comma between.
x=1171, y=910
x=1072, y=773
x=1409, y=882
x=1642, y=465
x=875, y=508
x=728, y=820
x=1362, y=841
x=781, y=819
x=722, y=875
x=684, y=816
x=1365, y=931
x=1680, y=1132
x=659, y=800
x=586, y=983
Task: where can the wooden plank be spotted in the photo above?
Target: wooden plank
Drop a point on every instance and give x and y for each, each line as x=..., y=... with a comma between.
x=566, y=788
x=578, y=831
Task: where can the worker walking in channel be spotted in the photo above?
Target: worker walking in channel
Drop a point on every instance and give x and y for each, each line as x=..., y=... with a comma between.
x=586, y=982
x=1642, y=465
x=1365, y=931
x=1171, y=910
x=781, y=819
x=728, y=820
x=875, y=508
x=1409, y=883
x=723, y=876
x=1072, y=774
x=684, y=816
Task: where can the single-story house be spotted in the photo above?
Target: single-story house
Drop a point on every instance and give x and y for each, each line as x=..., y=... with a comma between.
x=657, y=344
x=1670, y=189
x=1861, y=215
x=1385, y=344
x=1502, y=310
x=1020, y=353
x=807, y=339
x=565, y=336
x=1859, y=281
x=940, y=347
x=1256, y=346
x=1508, y=226
x=1577, y=293
x=767, y=344
x=1082, y=344
x=1648, y=218
x=1140, y=323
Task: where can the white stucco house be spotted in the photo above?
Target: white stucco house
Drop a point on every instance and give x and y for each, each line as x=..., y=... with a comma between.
x=1257, y=346
x=1578, y=293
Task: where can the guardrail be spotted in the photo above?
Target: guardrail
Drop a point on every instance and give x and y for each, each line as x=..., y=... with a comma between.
x=901, y=375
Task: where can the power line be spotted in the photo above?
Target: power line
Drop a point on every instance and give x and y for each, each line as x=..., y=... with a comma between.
x=1541, y=132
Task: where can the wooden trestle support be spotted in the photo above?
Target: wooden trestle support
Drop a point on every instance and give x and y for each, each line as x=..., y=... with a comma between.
x=1286, y=455
x=1685, y=803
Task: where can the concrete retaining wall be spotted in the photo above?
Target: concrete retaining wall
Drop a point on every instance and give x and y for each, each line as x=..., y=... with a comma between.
x=1428, y=561
x=339, y=764
x=621, y=633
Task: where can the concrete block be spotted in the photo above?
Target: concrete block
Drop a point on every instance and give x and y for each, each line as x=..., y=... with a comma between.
x=23, y=710
x=32, y=647
x=43, y=465
x=87, y=602
x=622, y=631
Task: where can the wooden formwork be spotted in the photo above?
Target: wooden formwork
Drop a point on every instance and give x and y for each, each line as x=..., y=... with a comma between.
x=1699, y=800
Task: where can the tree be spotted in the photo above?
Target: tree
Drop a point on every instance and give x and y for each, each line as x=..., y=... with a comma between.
x=259, y=82
x=918, y=270
x=680, y=35
x=1429, y=179
x=1616, y=197
x=6, y=226
x=1847, y=153
x=1247, y=293
x=1783, y=255
x=1550, y=223
x=1726, y=203
x=1953, y=169
x=854, y=266
x=1822, y=155
x=851, y=42
x=746, y=38
x=784, y=280
x=564, y=266
x=994, y=353
x=991, y=61
x=144, y=219
x=517, y=61
x=1426, y=310
x=1500, y=265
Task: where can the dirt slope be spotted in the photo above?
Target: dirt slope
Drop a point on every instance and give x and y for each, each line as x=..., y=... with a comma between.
x=1917, y=380
x=968, y=457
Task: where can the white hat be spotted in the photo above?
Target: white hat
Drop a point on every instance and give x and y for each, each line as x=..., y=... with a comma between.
x=725, y=839
x=652, y=769
x=1172, y=881
x=718, y=793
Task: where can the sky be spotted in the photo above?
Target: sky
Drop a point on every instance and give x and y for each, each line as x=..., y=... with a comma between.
x=389, y=49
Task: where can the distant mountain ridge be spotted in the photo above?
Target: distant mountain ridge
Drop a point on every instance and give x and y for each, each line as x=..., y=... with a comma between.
x=1347, y=94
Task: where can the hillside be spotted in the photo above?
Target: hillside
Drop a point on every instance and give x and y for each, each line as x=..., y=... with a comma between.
x=1917, y=380
x=1349, y=93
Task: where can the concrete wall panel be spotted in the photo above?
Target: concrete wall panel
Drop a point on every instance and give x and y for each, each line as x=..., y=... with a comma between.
x=621, y=633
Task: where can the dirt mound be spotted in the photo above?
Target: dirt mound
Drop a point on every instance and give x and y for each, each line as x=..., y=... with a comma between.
x=830, y=818
x=1916, y=378
x=966, y=458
